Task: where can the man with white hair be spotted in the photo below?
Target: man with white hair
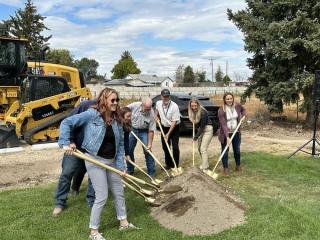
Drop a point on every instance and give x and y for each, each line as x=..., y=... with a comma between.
x=143, y=125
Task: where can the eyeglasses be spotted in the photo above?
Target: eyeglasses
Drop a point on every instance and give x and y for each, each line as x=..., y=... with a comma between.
x=115, y=100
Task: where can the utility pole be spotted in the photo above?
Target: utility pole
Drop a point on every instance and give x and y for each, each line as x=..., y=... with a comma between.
x=211, y=63
x=226, y=67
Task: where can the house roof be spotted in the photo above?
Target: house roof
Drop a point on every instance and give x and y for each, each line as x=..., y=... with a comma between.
x=117, y=82
x=148, y=78
x=126, y=82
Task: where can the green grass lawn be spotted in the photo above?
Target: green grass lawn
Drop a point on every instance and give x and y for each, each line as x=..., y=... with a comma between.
x=282, y=197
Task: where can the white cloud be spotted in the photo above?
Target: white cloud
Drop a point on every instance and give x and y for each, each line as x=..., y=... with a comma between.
x=94, y=13
x=14, y=3
x=201, y=20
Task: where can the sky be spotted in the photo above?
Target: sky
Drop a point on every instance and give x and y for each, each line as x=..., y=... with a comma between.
x=160, y=34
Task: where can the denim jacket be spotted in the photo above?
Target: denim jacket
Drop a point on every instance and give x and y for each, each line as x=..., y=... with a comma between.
x=94, y=131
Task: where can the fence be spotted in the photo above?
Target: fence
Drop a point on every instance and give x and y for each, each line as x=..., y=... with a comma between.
x=140, y=92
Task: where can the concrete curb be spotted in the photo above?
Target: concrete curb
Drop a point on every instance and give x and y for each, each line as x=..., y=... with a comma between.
x=11, y=150
x=44, y=146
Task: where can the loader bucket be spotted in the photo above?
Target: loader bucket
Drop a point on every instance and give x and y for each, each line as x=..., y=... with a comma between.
x=8, y=137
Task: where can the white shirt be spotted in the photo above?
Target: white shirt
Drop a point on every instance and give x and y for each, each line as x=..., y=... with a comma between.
x=232, y=118
x=169, y=113
x=140, y=119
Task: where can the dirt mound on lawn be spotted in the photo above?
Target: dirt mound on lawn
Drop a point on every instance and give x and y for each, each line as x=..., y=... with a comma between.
x=200, y=205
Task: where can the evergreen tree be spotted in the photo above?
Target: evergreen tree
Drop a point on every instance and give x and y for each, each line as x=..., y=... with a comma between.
x=125, y=66
x=201, y=76
x=28, y=24
x=226, y=80
x=188, y=76
x=283, y=39
x=219, y=75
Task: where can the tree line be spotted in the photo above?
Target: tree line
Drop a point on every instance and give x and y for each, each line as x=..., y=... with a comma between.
x=281, y=36
x=29, y=24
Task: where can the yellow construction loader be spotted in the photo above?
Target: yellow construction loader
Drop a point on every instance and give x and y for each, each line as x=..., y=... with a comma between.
x=34, y=96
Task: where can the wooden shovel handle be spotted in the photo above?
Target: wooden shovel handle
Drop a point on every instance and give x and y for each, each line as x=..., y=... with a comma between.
x=165, y=140
x=152, y=155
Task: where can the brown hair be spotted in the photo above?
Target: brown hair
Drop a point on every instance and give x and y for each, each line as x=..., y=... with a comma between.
x=123, y=111
x=102, y=106
x=224, y=99
x=195, y=117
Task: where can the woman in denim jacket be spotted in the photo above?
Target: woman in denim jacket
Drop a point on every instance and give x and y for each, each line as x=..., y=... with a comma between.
x=103, y=141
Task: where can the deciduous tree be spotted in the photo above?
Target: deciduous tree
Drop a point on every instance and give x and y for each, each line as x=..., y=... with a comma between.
x=126, y=65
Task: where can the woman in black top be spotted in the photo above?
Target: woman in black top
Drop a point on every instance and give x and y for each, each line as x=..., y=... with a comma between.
x=204, y=130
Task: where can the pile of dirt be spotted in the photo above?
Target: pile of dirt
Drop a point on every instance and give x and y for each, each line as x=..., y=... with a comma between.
x=200, y=206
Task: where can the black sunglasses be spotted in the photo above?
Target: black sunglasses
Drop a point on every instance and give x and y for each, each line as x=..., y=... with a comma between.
x=115, y=100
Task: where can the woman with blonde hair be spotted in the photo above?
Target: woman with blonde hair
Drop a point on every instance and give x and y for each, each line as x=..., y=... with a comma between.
x=229, y=116
x=103, y=141
x=199, y=116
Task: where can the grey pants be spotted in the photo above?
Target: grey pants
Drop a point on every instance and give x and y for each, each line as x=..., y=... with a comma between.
x=102, y=179
x=203, y=143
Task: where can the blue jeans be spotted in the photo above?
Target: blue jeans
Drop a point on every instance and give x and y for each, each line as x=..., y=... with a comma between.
x=70, y=164
x=236, y=150
x=143, y=136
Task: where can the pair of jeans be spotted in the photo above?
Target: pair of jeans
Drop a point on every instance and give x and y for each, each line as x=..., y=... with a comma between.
x=70, y=165
x=103, y=179
x=236, y=141
x=78, y=178
x=203, y=144
x=142, y=134
x=174, y=141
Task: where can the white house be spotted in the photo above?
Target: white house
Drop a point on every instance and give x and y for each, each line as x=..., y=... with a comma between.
x=151, y=80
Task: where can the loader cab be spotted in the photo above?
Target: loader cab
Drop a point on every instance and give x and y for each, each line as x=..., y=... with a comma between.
x=12, y=60
x=36, y=87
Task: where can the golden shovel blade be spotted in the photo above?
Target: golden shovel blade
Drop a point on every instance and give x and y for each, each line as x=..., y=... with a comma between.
x=174, y=172
x=152, y=202
x=157, y=181
x=211, y=174
x=180, y=170
x=147, y=192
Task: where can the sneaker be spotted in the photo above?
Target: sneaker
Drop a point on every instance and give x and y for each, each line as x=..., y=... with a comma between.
x=202, y=168
x=97, y=236
x=57, y=211
x=128, y=227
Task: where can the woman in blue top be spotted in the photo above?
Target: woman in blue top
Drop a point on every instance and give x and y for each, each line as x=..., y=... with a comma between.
x=103, y=141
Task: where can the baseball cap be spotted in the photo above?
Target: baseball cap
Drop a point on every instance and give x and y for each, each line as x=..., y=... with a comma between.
x=165, y=93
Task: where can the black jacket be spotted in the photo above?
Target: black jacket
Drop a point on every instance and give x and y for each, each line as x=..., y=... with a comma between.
x=77, y=134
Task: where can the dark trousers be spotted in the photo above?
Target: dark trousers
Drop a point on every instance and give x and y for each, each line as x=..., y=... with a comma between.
x=78, y=177
x=143, y=136
x=236, y=150
x=174, y=141
x=70, y=165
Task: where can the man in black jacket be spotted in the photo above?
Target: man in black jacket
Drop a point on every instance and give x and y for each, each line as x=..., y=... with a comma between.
x=73, y=167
